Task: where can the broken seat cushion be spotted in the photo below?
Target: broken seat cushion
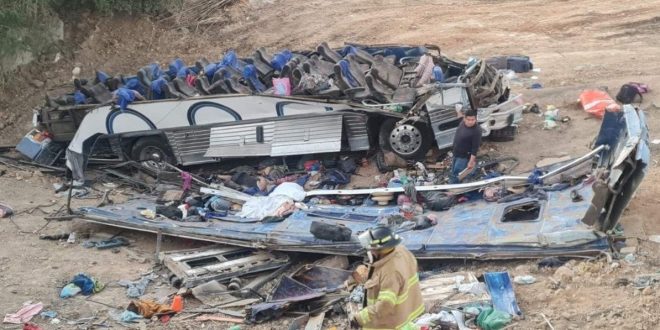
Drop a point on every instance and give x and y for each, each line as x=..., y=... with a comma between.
x=330, y=232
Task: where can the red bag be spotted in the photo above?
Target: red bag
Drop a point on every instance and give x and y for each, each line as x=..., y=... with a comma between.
x=595, y=101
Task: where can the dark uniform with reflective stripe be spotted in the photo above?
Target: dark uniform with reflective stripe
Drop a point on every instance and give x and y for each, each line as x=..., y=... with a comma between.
x=394, y=298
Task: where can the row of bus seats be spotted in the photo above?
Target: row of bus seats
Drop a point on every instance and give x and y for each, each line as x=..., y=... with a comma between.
x=382, y=75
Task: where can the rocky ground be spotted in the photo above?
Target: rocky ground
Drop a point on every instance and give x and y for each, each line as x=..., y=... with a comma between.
x=575, y=44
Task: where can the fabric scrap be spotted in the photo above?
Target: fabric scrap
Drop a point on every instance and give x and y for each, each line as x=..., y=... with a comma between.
x=187, y=181
x=129, y=317
x=137, y=288
x=86, y=285
x=149, y=308
x=31, y=326
x=69, y=290
x=48, y=314
x=24, y=314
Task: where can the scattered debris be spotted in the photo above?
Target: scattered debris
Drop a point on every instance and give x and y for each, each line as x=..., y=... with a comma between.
x=81, y=283
x=595, y=101
x=194, y=267
x=645, y=280
x=149, y=308
x=135, y=289
x=502, y=294
x=493, y=318
x=5, y=210
x=212, y=293
x=48, y=314
x=219, y=319
x=24, y=314
x=524, y=279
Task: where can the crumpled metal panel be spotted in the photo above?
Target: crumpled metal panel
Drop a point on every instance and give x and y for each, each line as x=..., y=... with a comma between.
x=291, y=290
x=189, y=144
x=356, y=131
x=322, y=278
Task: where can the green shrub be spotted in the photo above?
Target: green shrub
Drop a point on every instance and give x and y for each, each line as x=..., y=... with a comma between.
x=24, y=23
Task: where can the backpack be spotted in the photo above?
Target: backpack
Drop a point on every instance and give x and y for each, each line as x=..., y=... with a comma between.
x=628, y=93
x=330, y=232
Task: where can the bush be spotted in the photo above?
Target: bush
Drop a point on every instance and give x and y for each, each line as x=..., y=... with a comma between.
x=21, y=25
x=152, y=7
x=24, y=23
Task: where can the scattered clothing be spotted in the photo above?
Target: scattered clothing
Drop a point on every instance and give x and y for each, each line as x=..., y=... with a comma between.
x=149, y=308
x=24, y=314
x=424, y=70
x=83, y=284
x=69, y=290
x=187, y=181
x=129, y=317
x=5, y=211
x=48, y=314
x=31, y=326
x=137, y=288
x=492, y=319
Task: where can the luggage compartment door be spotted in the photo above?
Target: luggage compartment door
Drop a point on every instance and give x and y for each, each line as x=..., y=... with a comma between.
x=241, y=140
x=307, y=135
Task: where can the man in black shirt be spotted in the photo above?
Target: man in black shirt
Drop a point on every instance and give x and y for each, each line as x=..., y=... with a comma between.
x=466, y=145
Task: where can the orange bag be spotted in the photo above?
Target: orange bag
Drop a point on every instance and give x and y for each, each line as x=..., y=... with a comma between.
x=595, y=101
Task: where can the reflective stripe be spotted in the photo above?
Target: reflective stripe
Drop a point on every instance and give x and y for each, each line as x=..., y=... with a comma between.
x=391, y=297
x=364, y=315
x=411, y=281
x=380, y=241
x=387, y=295
x=407, y=325
x=411, y=317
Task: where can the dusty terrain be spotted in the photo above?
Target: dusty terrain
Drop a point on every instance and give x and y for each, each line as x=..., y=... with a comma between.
x=575, y=44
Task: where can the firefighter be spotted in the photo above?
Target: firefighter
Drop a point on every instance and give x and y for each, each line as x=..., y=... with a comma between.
x=394, y=298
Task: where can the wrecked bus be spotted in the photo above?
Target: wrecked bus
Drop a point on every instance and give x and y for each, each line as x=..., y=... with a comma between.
x=377, y=97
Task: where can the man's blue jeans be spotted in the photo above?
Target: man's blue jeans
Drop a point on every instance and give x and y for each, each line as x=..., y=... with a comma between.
x=457, y=166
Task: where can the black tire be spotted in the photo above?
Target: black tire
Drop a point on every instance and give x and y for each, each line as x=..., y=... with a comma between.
x=414, y=140
x=503, y=135
x=144, y=147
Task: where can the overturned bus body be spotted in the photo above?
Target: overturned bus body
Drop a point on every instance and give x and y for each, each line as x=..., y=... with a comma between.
x=404, y=99
x=542, y=221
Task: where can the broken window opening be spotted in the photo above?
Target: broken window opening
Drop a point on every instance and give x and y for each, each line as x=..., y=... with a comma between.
x=529, y=211
x=237, y=254
x=202, y=262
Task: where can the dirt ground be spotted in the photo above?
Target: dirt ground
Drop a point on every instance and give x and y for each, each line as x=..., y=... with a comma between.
x=576, y=44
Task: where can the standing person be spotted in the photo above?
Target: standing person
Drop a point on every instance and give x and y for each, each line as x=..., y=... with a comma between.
x=394, y=297
x=466, y=145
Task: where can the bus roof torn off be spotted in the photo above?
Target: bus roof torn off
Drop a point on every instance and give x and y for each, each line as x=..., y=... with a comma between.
x=541, y=220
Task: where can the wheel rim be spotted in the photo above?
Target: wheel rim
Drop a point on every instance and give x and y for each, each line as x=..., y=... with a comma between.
x=152, y=152
x=406, y=139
